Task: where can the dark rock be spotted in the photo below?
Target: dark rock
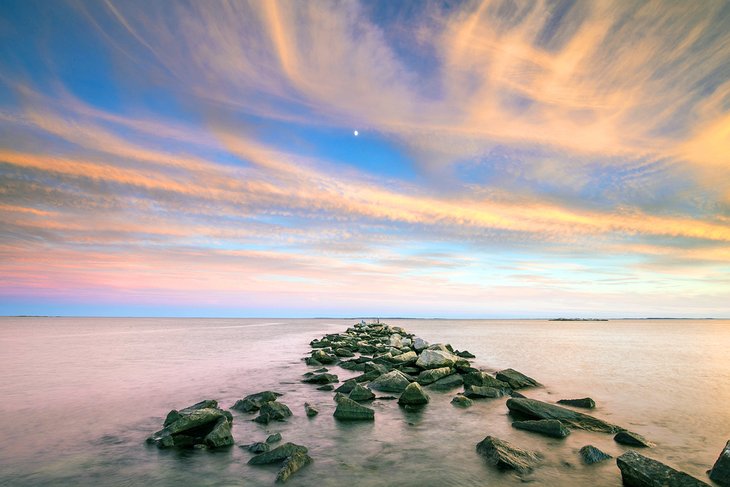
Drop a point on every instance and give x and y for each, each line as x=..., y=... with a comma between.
x=347, y=409
x=461, y=401
x=360, y=393
x=434, y=359
x=273, y=411
x=253, y=402
x=321, y=379
x=353, y=365
x=259, y=447
x=367, y=376
x=321, y=370
x=585, y=402
x=590, y=455
x=273, y=438
x=386, y=398
x=174, y=415
x=393, y=381
x=292, y=464
x=547, y=427
x=220, y=435
x=278, y=454
x=309, y=410
x=344, y=352
x=505, y=455
x=201, y=424
x=720, y=472
x=381, y=368
x=478, y=392
x=483, y=379
x=447, y=383
x=632, y=439
x=534, y=409
x=640, y=471
x=405, y=358
x=465, y=354
x=312, y=362
x=432, y=375
x=347, y=386
x=323, y=357
x=413, y=371
x=413, y=395
x=516, y=380
x=516, y=394
x=326, y=387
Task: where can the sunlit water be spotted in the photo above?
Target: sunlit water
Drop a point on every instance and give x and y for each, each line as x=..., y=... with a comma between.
x=79, y=396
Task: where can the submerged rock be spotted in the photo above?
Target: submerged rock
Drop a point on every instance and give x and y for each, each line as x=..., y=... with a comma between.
x=590, y=455
x=482, y=379
x=720, y=472
x=326, y=387
x=535, y=409
x=516, y=380
x=360, y=393
x=292, y=465
x=413, y=395
x=477, y=392
x=253, y=402
x=201, y=424
x=434, y=359
x=347, y=409
x=632, y=439
x=547, y=427
x=505, y=455
x=447, y=383
x=273, y=438
x=461, y=401
x=325, y=378
x=273, y=411
x=259, y=447
x=432, y=375
x=278, y=454
x=585, y=402
x=220, y=435
x=640, y=471
x=309, y=410
x=393, y=381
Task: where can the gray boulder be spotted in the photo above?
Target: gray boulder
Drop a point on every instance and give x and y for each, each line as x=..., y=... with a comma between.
x=413, y=395
x=720, y=472
x=461, y=401
x=640, y=471
x=434, y=359
x=447, y=383
x=585, y=402
x=478, y=392
x=347, y=409
x=393, y=381
x=516, y=380
x=507, y=456
x=253, y=402
x=419, y=344
x=534, y=409
x=360, y=393
x=590, y=455
x=632, y=439
x=432, y=375
x=547, y=427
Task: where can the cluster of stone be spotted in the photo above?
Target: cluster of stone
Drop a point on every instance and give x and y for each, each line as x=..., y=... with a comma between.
x=202, y=425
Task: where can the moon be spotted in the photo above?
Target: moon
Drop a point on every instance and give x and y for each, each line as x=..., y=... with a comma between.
x=355, y=133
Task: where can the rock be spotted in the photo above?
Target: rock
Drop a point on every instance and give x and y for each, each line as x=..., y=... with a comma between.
x=516, y=380
x=360, y=393
x=326, y=387
x=478, y=392
x=292, y=464
x=447, y=383
x=393, y=381
x=353, y=365
x=253, y=402
x=344, y=352
x=321, y=379
x=273, y=438
x=720, y=472
x=434, y=359
x=632, y=439
x=590, y=455
x=465, y=354
x=505, y=455
x=380, y=368
x=396, y=340
x=419, y=344
x=432, y=375
x=278, y=454
x=312, y=362
x=534, y=409
x=484, y=380
x=347, y=409
x=461, y=401
x=547, y=427
x=273, y=411
x=405, y=358
x=220, y=435
x=640, y=471
x=200, y=424
x=323, y=357
x=259, y=447
x=309, y=410
x=585, y=402
x=347, y=386
x=413, y=395
x=321, y=370
x=174, y=415
x=517, y=394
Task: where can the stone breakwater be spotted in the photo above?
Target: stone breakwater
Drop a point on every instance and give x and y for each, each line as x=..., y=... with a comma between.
x=398, y=367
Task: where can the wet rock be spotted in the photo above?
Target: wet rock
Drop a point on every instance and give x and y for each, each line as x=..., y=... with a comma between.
x=507, y=456
x=200, y=424
x=393, y=381
x=360, y=393
x=419, y=344
x=434, y=359
x=353, y=365
x=516, y=380
x=632, y=439
x=465, y=354
x=413, y=395
x=412, y=371
x=278, y=454
x=547, y=427
x=461, y=401
x=220, y=435
x=326, y=387
x=347, y=386
x=273, y=411
x=405, y=358
x=447, y=383
x=347, y=409
x=640, y=471
x=720, y=472
x=312, y=362
x=253, y=402
x=323, y=357
x=432, y=375
x=516, y=394
x=344, y=352
x=380, y=368
x=478, y=392
x=309, y=410
x=291, y=465
x=534, y=409
x=325, y=378
x=590, y=455
x=259, y=447
x=483, y=379
x=273, y=438
x=585, y=402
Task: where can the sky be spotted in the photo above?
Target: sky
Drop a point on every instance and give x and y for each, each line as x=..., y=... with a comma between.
x=513, y=159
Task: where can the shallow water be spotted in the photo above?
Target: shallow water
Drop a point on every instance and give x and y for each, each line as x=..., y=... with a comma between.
x=80, y=395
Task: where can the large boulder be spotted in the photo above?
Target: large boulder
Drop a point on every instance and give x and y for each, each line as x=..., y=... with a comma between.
x=273, y=411
x=640, y=471
x=516, y=380
x=507, y=456
x=590, y=455
x=253, y=402
x=585, y=402
x=413, y=395
x=434, y=359
x=534, y=409
x=720, y=472
x=419, y=344
x=393, y=381
x=483, y=379
x=432, y=375
x=447, y=383
x=347, y=409
x=632, y=439
x=547, y=427
x=202, y=424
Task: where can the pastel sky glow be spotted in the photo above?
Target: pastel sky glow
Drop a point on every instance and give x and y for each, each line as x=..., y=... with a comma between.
x=511, y=159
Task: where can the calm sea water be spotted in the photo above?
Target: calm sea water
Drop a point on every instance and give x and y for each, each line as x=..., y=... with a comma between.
x=78, y=396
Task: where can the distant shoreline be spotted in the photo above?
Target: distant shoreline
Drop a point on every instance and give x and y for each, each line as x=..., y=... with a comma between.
x=360, y=317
